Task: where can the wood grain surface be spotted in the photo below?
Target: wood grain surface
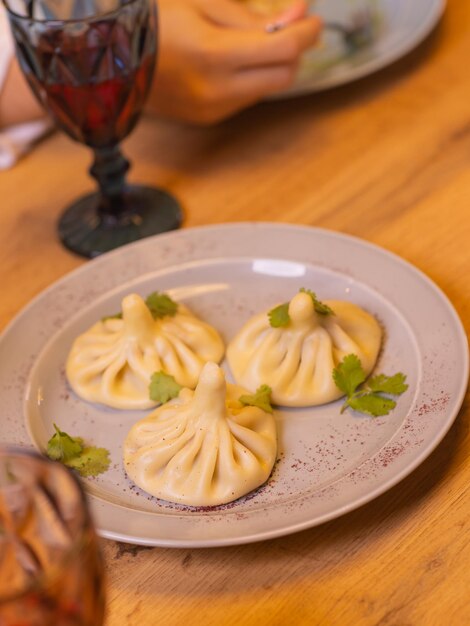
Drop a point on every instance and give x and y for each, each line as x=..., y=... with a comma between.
x=386, y=159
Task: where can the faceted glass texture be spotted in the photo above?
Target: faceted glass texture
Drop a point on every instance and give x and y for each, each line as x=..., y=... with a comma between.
x=89, y=62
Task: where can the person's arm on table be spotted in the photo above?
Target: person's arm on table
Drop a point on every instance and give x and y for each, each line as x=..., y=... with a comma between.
x=17, y=102
x=215, y=58
x=22, y=120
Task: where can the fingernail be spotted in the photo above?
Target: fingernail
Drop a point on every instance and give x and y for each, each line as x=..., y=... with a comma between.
x=274, y=27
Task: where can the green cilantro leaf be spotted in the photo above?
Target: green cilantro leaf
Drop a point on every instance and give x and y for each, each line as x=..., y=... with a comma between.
x=320, y=307
x=372, y=404
x=348, y=374
x=279, y=316
x=63, y=447
x=91, y=462
x=261, y=399
x=161, y=305
x=71, y=451
x=163, y=387
x=388, y=384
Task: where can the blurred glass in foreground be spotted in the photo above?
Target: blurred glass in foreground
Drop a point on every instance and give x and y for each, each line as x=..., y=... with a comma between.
x=51, y=570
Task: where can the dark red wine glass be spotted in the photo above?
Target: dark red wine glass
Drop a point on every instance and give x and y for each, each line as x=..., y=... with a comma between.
x=90, y=63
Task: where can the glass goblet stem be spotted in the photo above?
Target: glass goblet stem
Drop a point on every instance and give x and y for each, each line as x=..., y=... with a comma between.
x=109, y=169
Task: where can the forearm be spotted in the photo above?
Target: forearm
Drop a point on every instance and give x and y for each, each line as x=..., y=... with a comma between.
x=17, y=103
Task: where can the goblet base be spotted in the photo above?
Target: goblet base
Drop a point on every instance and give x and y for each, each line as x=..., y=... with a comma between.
x=89, y=232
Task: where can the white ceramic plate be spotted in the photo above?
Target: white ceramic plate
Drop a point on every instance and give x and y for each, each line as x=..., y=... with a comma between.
x=329, y=463
x=400, y=25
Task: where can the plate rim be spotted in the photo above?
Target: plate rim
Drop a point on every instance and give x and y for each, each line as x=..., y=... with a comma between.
x=355, y=503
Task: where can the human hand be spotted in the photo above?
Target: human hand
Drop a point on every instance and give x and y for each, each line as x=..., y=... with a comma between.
x=216, y=56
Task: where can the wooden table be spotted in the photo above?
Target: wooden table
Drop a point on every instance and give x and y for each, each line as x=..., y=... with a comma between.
x=387, y=159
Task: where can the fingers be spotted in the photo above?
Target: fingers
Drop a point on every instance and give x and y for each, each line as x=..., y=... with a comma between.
x=244, y=38
x=256, y=83
x=305, y=32
x=291, y=14
x=246, y=88
x=217, y=58
x=234, y=14
x=244, y=49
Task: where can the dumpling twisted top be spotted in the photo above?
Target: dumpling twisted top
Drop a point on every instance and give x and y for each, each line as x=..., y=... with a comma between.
x=203, y=448
x=113, y=361
x=297, y=360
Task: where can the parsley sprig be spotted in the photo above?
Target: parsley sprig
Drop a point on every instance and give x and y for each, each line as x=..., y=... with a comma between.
x=279, y=316
x=73, y=452
x=159, y=304
x=320, y=307
x=261, y=399
x=370, y=399
x=163, y=387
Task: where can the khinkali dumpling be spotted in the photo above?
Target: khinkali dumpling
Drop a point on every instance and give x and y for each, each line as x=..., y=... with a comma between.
x=112, y=362
x=297, y=360
x=203, y=448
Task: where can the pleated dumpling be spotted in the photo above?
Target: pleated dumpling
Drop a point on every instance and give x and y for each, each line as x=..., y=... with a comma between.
x=296, y=359
x=203, y=448
x=112, y=362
